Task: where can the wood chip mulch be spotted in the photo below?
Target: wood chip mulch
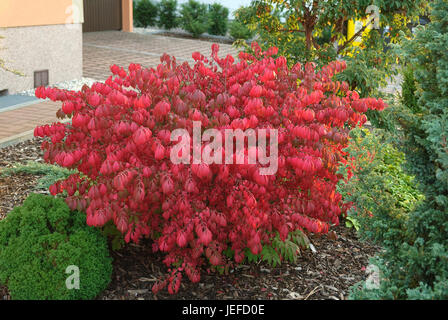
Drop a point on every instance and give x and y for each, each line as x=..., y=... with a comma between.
x=14, y=189
x=338, y=262
x=328, y=273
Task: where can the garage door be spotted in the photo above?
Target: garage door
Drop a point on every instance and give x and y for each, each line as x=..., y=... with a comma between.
x=101, y=15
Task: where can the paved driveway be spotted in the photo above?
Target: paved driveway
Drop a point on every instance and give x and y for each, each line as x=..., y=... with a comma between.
x=102, y=49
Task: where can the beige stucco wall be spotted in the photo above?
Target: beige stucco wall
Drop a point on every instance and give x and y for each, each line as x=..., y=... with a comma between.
x=19, y=13
x=57, y=48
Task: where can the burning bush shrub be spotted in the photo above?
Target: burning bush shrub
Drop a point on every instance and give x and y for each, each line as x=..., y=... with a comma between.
x=122, y=138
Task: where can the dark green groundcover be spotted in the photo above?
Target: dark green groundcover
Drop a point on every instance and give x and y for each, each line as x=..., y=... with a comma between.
x=43, y=244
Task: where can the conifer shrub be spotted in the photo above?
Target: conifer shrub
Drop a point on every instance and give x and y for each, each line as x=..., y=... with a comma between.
x=409, y=96
x=218, y=19
x=145, y=13
x=414, y=263
x=167, y=14
x=194, y=17
x=40, y=241
x=49, y=174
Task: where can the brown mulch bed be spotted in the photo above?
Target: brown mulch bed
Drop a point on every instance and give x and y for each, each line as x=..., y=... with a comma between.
x=14, y=189
x=337, y=264
x=21, y=153
x=327, y=274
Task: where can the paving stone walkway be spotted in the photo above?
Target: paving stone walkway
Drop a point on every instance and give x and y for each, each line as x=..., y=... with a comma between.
x=102, y=49
x=18, y=124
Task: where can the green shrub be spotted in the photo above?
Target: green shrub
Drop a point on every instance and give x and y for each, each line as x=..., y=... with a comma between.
x=167, y=14
x=194, y=17
x=218, y=19
x=381, y=191
x=408, y=90
x=40, y=240
x=239, y=31
x=415, y=264
x=145, y=13
x=51, y=173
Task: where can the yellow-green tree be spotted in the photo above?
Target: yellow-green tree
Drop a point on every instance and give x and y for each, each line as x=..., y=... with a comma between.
x=316, y=31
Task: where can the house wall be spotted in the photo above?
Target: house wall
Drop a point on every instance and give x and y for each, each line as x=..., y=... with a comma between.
x=40, y=35
x=54, y=47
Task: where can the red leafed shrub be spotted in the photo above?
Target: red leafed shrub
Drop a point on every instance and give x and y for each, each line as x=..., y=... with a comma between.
x=119, y=141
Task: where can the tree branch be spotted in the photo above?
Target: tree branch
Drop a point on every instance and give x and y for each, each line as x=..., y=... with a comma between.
x=356, y=35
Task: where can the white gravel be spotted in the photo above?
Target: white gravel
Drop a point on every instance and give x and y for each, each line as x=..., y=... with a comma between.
x=180, y=32
x=75, y=85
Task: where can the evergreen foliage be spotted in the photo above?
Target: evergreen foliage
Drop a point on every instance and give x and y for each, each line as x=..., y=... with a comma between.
x=40, y=240
x=218, y=19
x=194, y=17
x=167, y=14
x=414, y=262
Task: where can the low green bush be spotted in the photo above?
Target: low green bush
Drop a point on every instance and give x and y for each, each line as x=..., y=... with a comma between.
x=381, y=192
x=194, y=17
x=40, y=240
x=167, y=14
x=145, y=13
x=218, y=19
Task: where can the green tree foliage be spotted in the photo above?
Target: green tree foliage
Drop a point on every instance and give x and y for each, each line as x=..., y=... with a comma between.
x=316, y=31
x=218, y=19
x=415, y=264
x=238, y=27
x=39, y=240
x=194, y=18
x=167, y=14
x=239, y=31
x=145, y=13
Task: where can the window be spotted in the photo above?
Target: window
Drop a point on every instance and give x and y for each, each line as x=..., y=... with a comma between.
x=41, y=78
